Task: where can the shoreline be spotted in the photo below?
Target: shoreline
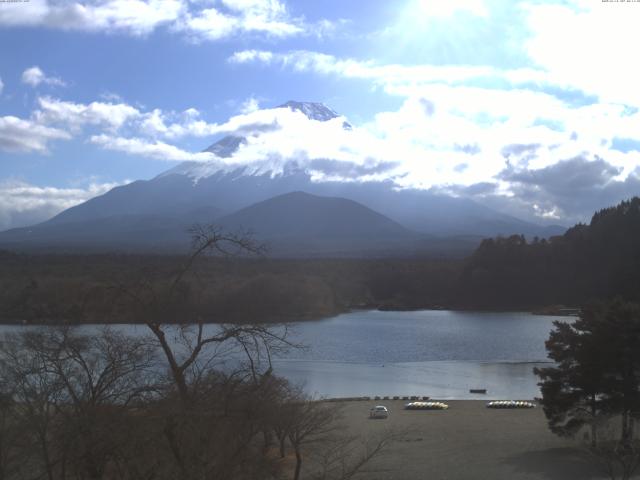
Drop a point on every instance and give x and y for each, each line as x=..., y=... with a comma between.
x=310, y=317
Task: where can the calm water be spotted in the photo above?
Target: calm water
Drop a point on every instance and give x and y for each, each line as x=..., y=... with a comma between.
x=441, y=354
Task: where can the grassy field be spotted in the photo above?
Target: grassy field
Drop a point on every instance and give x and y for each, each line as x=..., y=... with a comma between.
x=470, y=442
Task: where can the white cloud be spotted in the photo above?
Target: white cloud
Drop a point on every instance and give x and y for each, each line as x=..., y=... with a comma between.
x=198, y=20
x=1, y=86
x=61, y=120
x=439, y=8
x=442, y=135
x=174, y=126
x=460, y=114
x=393, y=77
x=590, y=45
x=246, y=56
x=136, y=17
x=34, y=76
x=24, y=204
x=23, y=136
x=76, y=115
x=56, y=119
x=146, y=148
x=268, y=17
x=251, y=104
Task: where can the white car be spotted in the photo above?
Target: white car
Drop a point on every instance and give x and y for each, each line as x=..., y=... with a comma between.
x=379, y=411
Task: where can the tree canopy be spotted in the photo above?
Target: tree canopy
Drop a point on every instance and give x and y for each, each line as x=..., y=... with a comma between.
x=597, y=372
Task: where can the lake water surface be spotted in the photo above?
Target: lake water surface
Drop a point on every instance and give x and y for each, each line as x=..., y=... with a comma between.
x=441, y=354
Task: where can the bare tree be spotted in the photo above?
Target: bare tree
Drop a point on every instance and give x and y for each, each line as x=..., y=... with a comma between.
x=72, y=392
x=100, y=406
x=220, y=374
x=11, y=436
x=171, y=311
x=34, y=395
x=309, y=422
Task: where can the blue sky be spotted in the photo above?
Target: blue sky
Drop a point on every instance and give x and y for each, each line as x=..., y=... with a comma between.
x=529, y=107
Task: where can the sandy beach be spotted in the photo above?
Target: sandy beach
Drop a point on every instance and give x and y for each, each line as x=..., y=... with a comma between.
x=470, y=442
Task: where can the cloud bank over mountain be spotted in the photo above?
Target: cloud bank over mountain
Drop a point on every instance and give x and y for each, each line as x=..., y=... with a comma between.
x=517, y=105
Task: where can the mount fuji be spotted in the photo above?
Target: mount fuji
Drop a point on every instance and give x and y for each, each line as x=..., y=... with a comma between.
x=296, y=214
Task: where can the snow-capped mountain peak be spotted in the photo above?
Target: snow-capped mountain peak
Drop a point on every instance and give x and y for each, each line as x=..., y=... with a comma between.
x=313, y=110
x=227, y=146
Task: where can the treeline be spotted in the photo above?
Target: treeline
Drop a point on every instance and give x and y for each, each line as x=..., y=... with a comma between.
x=599, y=260
x=87, y=288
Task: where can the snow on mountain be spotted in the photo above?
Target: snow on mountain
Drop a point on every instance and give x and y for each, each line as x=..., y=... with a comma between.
x=227, y=146
x=156, y=210
x=313, y=110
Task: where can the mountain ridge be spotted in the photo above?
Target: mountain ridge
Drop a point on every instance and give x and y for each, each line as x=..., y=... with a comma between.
x=219, y=193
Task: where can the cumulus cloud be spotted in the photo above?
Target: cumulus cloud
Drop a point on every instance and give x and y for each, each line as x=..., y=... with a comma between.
x=395, y=78
x=251, y=104
x=460, y=126
x=571, y=189
x=23, y=204
x=198, y=20
x=268, y=17
x=565, y=45
x=23, y=136
x=135, y=17
x=151, y=149
x=437, y=8
x=34, y=76
x=76, y=115
x=348, y=170
x=567, y=178
x=467, y=140
x=54, y=119
x=464, y=140
x=435, y=142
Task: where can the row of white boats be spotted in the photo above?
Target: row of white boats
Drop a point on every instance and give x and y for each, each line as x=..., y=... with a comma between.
x=493, y=404
x=380, y=411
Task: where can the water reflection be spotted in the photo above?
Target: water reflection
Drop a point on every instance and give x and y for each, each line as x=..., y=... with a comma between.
x=437, y=379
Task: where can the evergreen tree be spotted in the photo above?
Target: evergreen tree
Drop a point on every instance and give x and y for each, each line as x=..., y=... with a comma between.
x=597, y=371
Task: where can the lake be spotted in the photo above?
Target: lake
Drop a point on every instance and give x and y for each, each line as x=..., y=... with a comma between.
x=441, y=354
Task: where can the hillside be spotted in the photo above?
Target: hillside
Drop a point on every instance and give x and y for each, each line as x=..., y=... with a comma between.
x=299, y=223
x=598, y=260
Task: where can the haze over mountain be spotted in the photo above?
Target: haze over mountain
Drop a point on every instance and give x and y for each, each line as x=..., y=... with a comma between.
x=155, y=213
x=298, y=223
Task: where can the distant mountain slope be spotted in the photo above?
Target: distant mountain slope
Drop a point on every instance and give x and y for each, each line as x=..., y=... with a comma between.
x=123, y=232
x=299, y=223
x=302, y=215
x=203, y=192
x=160, y=196
x=230, y=191
x=296, y=224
